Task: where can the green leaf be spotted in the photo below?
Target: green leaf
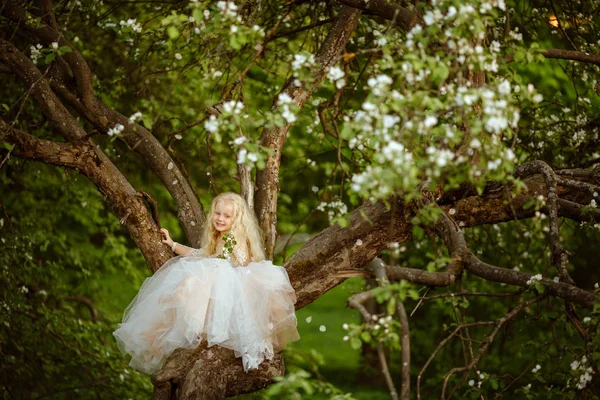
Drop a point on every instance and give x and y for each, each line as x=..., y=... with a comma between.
x=494, y=383
x=173, y=32
x=391, y=306
x=8, y=146
x=366, y=337
x=147, y=119
x=355, y=343
x=540, y=288
x=234, y=42
x=439, y=74
x=418, y=232
x=64, y=49
x=49, y=58
x=197, y=14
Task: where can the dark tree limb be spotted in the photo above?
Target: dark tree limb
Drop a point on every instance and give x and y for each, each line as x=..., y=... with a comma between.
x=403, y=17
x=81, y=97
x=560, y=257
x=267, y=179
x=562, y=54
x=83, y=156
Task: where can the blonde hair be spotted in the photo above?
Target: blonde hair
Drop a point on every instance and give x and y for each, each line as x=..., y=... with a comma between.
x=244, y=227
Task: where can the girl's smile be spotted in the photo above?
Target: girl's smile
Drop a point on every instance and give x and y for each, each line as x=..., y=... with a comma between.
x=223, y=216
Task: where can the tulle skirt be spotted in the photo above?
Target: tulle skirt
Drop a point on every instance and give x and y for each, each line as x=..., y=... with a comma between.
x=249, y=310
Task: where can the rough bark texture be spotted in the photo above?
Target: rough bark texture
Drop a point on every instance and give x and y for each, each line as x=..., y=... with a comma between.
x=79, y=94
x=267, y=180
x=85, y=157
x=403, y=17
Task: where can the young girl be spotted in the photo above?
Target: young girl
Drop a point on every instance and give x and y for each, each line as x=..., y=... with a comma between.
x=225, y=293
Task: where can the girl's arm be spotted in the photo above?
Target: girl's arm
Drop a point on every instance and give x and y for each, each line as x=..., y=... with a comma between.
x=178, y=248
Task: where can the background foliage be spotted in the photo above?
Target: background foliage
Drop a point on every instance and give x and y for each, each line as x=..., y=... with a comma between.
x=69, y=269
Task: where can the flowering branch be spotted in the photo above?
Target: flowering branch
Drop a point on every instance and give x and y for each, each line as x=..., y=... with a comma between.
x=267, y=179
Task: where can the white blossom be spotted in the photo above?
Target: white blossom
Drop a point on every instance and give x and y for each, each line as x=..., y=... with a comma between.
x=212, y=125
x=242, y=155
x=135, y=116
x=288, y=115
x=240, y=140
x=118, y=128
x=534, y=279
x=430, y=120
x=284, y=98
x=335, y=73
x=504, y=87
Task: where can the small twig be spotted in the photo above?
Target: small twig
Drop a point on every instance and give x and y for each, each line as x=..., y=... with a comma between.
x=88, y=303
x=488, y=341
x=5, y=159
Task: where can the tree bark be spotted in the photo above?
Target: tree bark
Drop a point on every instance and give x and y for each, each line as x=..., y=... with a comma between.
x=267, y=180
x=85, y=157
x=80, y=95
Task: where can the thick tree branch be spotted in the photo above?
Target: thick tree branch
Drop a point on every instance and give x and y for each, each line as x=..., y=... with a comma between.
x=267, y=179
x=53, y=109
x=562, y=54
x=84, y=156
x=403, y=17
x=47, y=35
x=189, y=210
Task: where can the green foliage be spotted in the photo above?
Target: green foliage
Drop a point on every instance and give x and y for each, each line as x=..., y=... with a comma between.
x=55, y=336
x=394, y=111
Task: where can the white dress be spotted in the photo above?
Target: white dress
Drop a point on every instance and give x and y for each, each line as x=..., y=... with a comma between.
x=248, y=309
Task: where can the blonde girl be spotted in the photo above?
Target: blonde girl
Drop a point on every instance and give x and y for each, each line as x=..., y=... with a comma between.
x=224, y=293
x=229, y=213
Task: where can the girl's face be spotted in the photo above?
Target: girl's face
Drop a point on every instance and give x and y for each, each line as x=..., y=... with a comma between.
x=223, y=216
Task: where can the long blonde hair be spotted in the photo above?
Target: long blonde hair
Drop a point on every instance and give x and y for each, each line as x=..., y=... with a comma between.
x=244, y=226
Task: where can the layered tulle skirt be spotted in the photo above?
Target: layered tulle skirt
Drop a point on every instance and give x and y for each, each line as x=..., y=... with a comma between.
x=249, y=310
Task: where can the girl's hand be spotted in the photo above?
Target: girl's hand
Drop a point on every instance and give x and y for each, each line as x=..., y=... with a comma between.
x=166, y=238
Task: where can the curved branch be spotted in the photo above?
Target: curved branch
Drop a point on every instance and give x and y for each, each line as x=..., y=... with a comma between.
x=571, y=55
x=189, y=209
x=560, y=257
x=52, y=108
x=84, y=156
x=47, y=35
x=403, y=17
x=267, y=179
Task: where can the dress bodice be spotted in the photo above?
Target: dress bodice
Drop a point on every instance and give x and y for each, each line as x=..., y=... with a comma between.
x=227, y=249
